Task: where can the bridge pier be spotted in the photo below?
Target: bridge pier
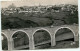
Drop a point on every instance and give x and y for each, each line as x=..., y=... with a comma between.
x=53, y=43
x=76, y=38
x=31, y=43
x=10, y=44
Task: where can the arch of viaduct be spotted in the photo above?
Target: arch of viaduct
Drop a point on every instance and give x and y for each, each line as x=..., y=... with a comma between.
x=30, y=32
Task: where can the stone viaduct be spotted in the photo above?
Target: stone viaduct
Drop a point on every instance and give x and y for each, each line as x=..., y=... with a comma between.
x=30, y=32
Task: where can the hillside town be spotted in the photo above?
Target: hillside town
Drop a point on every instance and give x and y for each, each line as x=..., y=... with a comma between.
x=36, y=16
x=39, y=9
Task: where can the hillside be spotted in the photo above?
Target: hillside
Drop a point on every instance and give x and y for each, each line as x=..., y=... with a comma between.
x=48, y=18
x=14, y=22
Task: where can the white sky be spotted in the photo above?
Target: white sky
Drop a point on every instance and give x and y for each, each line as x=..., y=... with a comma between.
x=37, y=2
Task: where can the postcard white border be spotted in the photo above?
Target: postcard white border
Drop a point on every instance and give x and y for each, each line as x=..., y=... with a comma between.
x=71, y=49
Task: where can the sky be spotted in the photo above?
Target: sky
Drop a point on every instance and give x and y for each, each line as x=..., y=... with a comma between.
x=37, y=2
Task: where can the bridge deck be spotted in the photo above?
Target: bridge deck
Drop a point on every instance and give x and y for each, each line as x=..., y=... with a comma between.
x=39, y=27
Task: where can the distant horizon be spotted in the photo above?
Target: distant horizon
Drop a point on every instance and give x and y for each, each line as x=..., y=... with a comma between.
x=35, y=5
x=5, y=4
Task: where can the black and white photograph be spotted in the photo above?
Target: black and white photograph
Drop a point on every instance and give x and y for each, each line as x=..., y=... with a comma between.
x=39, y=24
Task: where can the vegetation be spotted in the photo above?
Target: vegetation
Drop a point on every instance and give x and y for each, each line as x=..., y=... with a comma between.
x=50, y=16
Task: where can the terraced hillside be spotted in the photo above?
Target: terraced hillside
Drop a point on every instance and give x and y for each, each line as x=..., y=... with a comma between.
x=46, y=19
